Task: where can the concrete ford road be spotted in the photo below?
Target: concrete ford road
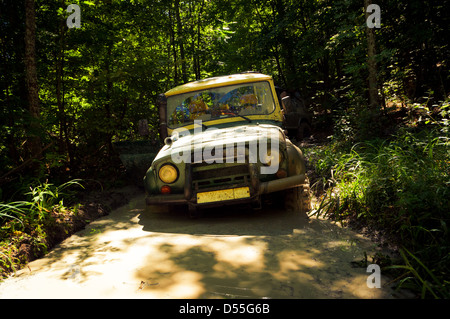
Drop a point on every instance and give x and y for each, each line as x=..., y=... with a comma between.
x=226, y=147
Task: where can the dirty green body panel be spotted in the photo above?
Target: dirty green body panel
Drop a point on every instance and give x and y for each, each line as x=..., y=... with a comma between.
x=137, y=157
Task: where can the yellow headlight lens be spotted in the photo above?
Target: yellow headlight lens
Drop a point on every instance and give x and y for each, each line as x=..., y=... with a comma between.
x=168, y=173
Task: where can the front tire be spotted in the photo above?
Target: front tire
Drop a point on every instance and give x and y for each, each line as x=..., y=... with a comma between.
x=298, y=199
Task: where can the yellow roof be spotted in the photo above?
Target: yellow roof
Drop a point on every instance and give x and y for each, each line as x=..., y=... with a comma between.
x=218, y=81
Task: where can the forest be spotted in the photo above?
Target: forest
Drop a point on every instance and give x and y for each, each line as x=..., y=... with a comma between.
x=380, y=98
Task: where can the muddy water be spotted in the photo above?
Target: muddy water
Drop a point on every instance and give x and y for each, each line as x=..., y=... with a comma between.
x=229, y=253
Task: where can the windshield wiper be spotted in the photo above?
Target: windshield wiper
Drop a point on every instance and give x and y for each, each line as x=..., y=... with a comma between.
x=244, y=117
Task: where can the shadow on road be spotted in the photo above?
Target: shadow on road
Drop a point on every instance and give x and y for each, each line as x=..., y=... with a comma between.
x=238, y=221
x=228, y=253
x=237, y=253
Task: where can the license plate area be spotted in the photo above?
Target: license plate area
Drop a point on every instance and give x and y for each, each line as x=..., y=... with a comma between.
x=223, y=195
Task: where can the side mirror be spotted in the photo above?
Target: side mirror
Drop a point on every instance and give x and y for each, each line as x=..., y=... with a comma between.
x=170, y=139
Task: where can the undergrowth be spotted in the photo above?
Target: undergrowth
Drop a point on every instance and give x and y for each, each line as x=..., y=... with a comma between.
x=27, y=226
x=400, y=184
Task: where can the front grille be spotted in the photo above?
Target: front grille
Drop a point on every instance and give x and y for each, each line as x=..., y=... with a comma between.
x=202, y=172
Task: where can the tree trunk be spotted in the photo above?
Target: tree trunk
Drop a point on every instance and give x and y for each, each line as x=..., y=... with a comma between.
x=64, y=143
x=59, y=78
x=108, y=103
x=180, y=38
x=34, y=141
x=197, y=51
x=174, y=48
x=371, y=63
x=280, y=70
x=287, y=51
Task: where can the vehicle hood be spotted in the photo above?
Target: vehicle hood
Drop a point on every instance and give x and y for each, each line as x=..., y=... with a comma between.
x=187, y=140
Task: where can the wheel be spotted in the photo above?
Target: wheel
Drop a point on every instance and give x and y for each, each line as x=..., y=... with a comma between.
x=298, y=199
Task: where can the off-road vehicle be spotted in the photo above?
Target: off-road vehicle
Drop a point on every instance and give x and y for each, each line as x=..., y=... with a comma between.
x=224, y=145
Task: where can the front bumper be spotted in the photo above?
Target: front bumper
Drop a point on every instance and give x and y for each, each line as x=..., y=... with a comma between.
x=256, y=190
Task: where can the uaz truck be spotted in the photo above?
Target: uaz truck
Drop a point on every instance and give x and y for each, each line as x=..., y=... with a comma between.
x=224, y=145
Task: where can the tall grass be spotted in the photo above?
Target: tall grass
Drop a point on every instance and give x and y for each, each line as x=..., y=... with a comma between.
x=27, y=220
x=402, y=186
x=40, y=200
x=414, y=278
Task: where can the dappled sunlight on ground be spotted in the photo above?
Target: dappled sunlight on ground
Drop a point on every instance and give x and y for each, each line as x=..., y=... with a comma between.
x=135, y=253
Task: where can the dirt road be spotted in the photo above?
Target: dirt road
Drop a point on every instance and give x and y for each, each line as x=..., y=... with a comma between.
x=229, y=253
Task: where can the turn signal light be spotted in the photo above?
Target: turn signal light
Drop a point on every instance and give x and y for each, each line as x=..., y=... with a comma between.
x=165, y=189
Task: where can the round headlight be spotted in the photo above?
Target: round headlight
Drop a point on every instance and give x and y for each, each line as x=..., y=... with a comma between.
x=168, y=173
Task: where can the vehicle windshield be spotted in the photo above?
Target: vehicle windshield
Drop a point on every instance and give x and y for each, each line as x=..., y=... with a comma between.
x=239, y=100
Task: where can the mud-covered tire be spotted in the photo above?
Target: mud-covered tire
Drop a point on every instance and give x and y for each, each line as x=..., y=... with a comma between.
x=298, y=199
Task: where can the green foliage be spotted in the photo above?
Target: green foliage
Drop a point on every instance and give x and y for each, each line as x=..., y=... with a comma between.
x=46, y=197
x=418, y=275
x=98, y=81
x=28, y=220
x=400, y=185
x=40, y=201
